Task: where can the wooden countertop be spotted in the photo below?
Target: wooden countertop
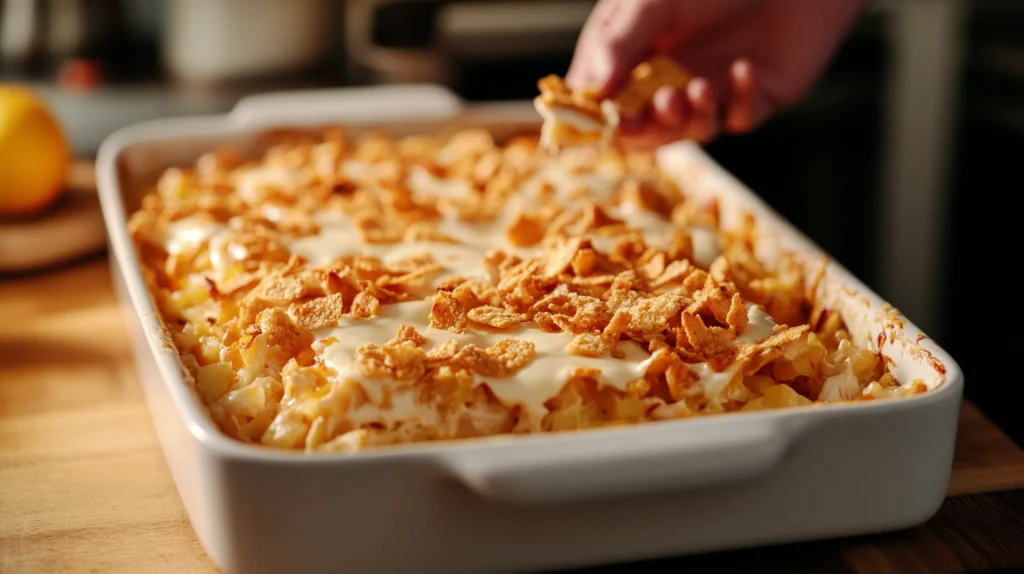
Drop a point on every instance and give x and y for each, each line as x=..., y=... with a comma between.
x=84, y=487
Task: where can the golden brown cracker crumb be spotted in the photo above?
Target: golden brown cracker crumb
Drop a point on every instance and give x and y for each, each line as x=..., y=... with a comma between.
x=546, y=322
x=554, y=92
x=680, y=247
x=651, y=316
x=654, y=266
x=425, y=232
x=704, y=340
x=736, y=317
x=444, y=351
x=401, y=362
x=784, y=335
x=646, y=78
x=467, y=296
x=561, y=254
x=593, y=217
x=679, y=378
x=365, y=306
x=279, y=289
x=495, y=317
x=503, y=359
x=408, y=333
x=448, y=313
x=645, y=197
x=527, y=229
x=385, y=294
x=590, y=345
x=282, y=332
x=674, y=272
x=554, y=85
x=320, y=312
x=619, y=323
x=584, y=262
x=695, y=280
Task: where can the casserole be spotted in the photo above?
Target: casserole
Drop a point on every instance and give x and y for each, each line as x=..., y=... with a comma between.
x=541, y=501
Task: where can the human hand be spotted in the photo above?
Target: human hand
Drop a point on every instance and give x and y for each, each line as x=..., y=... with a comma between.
x=749, y=58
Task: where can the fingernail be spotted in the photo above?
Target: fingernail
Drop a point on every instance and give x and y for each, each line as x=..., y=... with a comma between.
x=698, y=90
x=572, y=78
x=742, y=70
x=602, y=67
x=668, y=105
x=599, y=71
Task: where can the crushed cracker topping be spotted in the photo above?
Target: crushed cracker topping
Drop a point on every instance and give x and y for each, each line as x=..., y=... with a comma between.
x=365, y=305
x=590, y=345
x=448, y=313
x=481, y=287
x=495, y=317
x=320, y=312
x=526, y=229
x=501, y=360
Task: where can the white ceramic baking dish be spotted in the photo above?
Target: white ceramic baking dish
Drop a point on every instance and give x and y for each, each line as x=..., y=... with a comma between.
x=528, y=503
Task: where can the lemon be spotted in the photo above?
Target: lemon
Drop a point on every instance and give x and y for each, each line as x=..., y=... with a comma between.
x=34, y=154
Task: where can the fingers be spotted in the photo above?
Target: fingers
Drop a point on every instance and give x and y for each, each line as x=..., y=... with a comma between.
x=668, y=110
x=703, y=122
x=668, y=107
x=665, y=123
x=616, y=37
x=582, y=73
x=675, y=114
x=742, y=111
x=695, y=113
x=650, y=138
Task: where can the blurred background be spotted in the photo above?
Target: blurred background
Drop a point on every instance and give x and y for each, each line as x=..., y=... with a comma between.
x=893, y=164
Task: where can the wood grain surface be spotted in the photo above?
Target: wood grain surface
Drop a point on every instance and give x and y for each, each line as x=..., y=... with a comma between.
x=84, y=487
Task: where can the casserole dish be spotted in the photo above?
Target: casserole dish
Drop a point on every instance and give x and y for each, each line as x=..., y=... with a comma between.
x=544, y=501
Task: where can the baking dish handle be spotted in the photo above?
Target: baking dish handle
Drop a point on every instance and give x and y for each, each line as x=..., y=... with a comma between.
x=627, y=463
x=348, y=105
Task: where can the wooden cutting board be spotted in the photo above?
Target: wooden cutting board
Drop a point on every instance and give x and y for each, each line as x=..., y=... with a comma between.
x=72, y=228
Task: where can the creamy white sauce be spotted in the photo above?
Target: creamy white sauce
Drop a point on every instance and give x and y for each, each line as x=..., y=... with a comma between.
x=422, y=181
x=604, y=243
x=273, y=212
x=600, y=187
x=355, y=169
x=530, y=387
x=538, y=381
x=339, y=238
x=555, y=115
x=189, y=233
x=760, y=326
x=705, y=245
x=250, y=184
x=657, y=231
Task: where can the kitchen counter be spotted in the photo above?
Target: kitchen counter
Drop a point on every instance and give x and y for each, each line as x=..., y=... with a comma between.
x=84, y=487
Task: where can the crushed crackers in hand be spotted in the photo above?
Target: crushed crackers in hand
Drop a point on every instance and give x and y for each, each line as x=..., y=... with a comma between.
x=574, y=118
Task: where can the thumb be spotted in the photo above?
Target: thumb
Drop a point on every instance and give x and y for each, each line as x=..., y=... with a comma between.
x=617, y=36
